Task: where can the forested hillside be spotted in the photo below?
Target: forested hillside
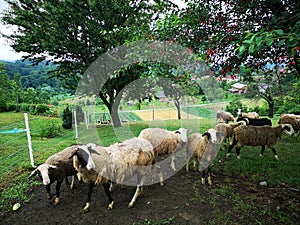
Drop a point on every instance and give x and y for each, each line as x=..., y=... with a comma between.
x=31, y=76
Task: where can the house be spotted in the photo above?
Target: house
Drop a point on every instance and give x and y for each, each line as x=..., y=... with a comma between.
x=238, y=88
x=162, y=97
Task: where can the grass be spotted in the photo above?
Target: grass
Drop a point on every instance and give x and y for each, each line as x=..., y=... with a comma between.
x=15, y=163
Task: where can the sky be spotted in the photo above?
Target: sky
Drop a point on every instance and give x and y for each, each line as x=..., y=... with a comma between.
x=7, y=53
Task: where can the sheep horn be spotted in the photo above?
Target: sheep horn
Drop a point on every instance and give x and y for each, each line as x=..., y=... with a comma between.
x=289, y=130
x=32, y=173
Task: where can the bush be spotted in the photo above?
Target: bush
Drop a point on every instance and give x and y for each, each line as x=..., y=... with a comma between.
x=10, y=107
x=234, y=105
x=41, y=109
x=50, y=130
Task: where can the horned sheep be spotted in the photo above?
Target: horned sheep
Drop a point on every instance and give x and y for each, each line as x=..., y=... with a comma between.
x=258, y=136
x=165, y=142
x=292, y=119
x=56, y=168
x=100, y=165
x=202, y=147
x=224, y=116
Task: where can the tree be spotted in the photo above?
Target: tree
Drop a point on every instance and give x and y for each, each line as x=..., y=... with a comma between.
x=17, y=89
x=234, y=34
x=57, y=31
x=5, y=88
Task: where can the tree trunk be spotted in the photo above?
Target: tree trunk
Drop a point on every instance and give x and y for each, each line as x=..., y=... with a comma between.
x=112, y=106
x=271, y=106
x=115, y=117
x=177, y=105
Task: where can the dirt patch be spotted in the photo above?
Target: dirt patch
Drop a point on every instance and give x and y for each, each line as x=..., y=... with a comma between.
x=183, y=200
x=159, y=114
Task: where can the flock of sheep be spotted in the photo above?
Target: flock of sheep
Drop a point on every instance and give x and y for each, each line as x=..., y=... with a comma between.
x=135, y=161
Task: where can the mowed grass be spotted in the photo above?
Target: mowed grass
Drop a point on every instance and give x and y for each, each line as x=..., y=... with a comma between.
x=15, y=161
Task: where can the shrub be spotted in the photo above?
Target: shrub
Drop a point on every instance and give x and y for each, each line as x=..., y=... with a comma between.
x=41, y=109
x=50, y=130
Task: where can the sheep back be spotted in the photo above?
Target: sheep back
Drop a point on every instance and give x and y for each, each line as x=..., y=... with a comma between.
x=63, y=162
x=257, y=136
x=196, y=145
x=163, y=141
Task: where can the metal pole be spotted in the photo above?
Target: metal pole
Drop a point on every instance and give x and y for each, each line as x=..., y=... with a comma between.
x=29, y=140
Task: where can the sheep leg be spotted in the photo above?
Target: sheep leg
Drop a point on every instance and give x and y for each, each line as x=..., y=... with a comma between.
x=49, y=195
x=173, y=162
x=138, y=191
x=107, y=192
x=263, y=147
x=57, y=187
x=275, y=154
x=72, y=182
x=238, y=152
x=203, y=177
x=229, y=150
x=209, y=175
x=89, y=196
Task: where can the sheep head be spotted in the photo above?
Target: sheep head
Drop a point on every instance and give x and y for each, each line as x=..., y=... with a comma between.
x=44, y=171
x=212, y=135
x=82, y=156
x=182, y=134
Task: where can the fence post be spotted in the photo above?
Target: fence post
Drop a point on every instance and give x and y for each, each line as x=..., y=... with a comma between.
x=75, y=124
x=29, y=140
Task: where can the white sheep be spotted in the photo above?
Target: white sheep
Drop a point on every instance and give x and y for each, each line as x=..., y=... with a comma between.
x=56, y=168
x=203, y=148
x=119, y=162
x=292, y=119
x=227, y=131
x=253, y=115
x=223, y=116
x=165, y=142
x=258, y=136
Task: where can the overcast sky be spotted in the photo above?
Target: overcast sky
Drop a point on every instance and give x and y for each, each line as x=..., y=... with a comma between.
x=6, y=52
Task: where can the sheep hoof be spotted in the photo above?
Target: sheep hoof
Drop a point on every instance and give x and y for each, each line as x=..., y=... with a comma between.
x=49, y=195
x=261, y=156
x=130, y=205
x=238, y=157
x=87, y=207
x=203, y=181
x=209, y=181
x=227, y=155
x=56, y=201
x=110, y=206
x=161, y=183
x=276, y=157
